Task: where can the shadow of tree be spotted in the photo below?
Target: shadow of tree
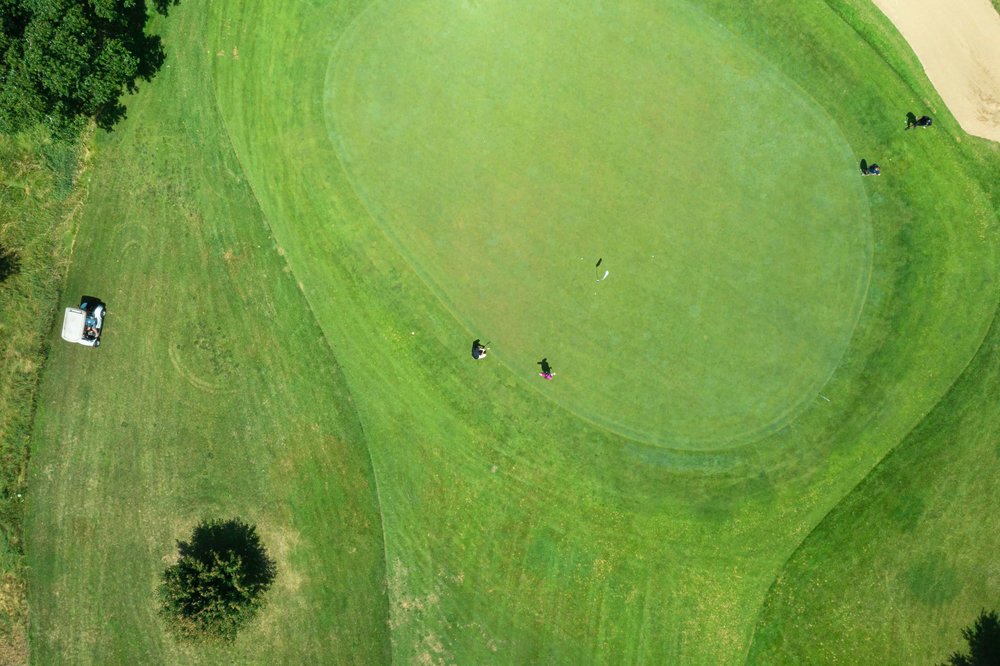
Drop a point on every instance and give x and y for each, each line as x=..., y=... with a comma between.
x=163, y=6
x=983, y=638
x=9, y=263
x=146, y=48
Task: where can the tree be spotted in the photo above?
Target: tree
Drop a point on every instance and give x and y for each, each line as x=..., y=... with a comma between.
x=63, y=62
x=983, y=638
x=218, y=582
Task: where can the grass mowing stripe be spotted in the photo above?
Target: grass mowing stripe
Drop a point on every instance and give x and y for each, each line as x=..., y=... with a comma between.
x=929, y=537
x=331, y=354
x=985, y=170
x=212, y=394
x=316, y=222
x=851, y=501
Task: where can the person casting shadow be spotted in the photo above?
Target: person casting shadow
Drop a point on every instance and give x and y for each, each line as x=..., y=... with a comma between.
x=546, y=369
x=478, y=350
x=922, y=121
x=869, y=169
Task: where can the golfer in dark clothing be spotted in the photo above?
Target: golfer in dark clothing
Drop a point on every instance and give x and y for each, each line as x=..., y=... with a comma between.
x=925, y=121
x=869, y=169
x=478, y=350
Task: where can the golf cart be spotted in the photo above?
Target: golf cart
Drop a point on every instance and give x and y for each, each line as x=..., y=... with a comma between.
x=83, y=325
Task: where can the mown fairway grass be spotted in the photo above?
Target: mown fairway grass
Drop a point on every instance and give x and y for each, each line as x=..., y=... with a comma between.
x=216, y=395
x=296, y=259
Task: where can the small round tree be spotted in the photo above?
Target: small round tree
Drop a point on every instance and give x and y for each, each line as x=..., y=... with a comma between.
x=218, y=583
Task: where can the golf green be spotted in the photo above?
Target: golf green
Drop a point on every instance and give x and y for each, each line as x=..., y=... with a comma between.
x=506, y=148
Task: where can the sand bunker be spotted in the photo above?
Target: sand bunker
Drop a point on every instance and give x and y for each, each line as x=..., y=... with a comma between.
x=958, y=43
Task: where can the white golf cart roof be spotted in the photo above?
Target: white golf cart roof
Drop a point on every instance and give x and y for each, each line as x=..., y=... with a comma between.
x=83, y=325
x=73, y=323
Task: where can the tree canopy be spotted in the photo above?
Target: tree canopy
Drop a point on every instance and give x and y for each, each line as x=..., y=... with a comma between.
x=63, y=62
x=983, y=638
x=218, y=582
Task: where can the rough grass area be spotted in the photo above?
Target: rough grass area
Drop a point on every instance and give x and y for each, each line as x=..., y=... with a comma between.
x=38, y=206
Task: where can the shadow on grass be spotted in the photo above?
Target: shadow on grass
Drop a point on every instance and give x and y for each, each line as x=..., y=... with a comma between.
x=983, y=638
x=163, y=6
x=130, y=29
x=9, y=264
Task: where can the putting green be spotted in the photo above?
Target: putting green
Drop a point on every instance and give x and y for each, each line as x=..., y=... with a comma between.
x=505, y=149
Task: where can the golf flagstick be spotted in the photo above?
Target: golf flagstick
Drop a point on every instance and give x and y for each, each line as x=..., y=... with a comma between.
x=596, y=266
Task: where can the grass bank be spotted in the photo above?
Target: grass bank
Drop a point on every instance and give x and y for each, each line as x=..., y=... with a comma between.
x=39, y=198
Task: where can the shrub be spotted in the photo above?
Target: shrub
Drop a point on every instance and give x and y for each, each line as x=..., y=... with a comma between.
x=218, y=583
